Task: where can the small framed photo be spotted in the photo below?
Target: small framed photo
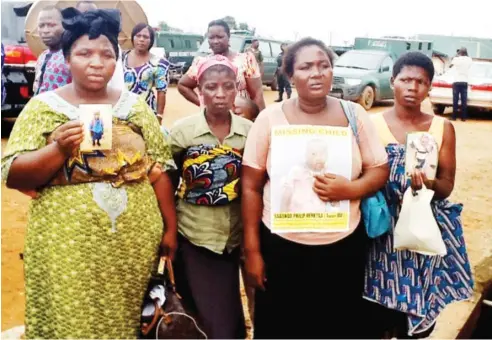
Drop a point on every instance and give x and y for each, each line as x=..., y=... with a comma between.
x=422, y=153
x=98, y=125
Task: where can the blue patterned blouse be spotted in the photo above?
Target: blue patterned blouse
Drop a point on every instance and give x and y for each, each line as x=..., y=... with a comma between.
x=142, y=79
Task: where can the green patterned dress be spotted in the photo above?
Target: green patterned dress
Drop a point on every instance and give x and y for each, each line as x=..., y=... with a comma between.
x=91, y=246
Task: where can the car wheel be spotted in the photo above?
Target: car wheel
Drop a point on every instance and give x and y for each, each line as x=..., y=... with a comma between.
x=367, y=98
x=438, y=109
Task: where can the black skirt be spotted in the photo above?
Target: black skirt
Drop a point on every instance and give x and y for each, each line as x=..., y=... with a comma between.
x=209, y=285
x=312, y=292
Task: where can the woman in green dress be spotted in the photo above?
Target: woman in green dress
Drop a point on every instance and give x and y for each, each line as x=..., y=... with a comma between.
x=95, y=226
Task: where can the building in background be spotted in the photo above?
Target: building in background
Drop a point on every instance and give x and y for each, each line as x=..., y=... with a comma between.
x=478, y=48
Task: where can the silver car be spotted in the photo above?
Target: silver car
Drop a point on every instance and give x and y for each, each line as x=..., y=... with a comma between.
x=479, y=88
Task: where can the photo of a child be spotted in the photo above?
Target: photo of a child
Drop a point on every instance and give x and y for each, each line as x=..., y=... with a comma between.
x=98, y=125
x=97, y=129
x=301, y=154
x=298, y=194
x=422, y=154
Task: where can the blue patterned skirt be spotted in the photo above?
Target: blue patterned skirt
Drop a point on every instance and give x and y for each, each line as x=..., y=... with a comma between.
x=418, y=285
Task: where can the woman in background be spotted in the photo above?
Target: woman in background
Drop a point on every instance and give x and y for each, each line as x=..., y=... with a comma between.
x=145, y=72
x=249, y=83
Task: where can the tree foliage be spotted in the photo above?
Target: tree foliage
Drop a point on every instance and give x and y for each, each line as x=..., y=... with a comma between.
x=164, y=26
x=234, y=25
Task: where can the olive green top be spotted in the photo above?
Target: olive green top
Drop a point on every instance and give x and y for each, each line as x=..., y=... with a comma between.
x=216, y=228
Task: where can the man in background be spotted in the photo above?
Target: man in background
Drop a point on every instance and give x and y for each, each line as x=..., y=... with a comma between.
x=51, y=70
x=255, y=49
x=118, y=79
x=283, y=81
x=462, y=64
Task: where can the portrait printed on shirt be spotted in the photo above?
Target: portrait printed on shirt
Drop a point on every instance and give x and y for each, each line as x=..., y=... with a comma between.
x=422, y=153
x=98, y=126
x=298, y=154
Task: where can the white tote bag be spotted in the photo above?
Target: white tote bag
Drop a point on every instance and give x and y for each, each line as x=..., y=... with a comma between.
x=416, y=229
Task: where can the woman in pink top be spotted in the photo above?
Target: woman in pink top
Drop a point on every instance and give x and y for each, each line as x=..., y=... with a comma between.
x=248, y=79
x=309, y=285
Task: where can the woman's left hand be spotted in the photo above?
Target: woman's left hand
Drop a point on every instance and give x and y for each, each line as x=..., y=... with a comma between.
x=419, y=179
x=330, y=187
x=169, y=244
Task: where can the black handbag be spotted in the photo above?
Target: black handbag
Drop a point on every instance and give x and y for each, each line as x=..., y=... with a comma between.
x=172, y=320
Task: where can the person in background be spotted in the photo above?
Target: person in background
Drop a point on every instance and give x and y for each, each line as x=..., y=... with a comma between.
x=51, y=70
x=246, y=108
x=309, y=285
x=461, y=64
x=283, y=81
x=255, y=49
x=93, y=232
x=409, y=290
x=86, y=5
x=248, y=76
x=144, y=71
x=3, y=85
x=207, y=148
x=118, y=79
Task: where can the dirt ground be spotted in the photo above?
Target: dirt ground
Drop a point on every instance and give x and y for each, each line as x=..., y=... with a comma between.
x=473, y=183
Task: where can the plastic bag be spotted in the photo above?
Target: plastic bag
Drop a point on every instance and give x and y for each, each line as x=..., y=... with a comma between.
x=416, y=229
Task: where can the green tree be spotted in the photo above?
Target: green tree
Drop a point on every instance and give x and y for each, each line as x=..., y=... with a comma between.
x=164, y=26
x=231, y=21
x=246, y=27
x=243, y=26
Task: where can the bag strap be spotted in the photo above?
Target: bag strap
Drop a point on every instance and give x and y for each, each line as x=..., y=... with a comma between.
x=145, y=329
x=349, y=111
x=166, y=263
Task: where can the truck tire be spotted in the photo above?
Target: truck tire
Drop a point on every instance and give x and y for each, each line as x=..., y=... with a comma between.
x=274, y=84
x=367, y=98
x=438, y=109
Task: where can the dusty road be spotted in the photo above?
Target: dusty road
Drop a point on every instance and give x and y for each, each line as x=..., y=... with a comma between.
x=472, y=188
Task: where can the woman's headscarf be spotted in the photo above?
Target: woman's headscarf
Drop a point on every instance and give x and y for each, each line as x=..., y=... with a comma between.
x=214, y=60
x=93, y=23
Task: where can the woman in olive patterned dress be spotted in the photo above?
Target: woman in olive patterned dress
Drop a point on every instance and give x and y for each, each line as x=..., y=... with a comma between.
x=95, y=227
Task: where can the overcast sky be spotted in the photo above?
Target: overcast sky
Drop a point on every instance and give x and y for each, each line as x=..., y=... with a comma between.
x=345, y=19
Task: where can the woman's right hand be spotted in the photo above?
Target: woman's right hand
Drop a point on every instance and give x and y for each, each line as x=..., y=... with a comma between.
x=69, y=136
x=255, y=269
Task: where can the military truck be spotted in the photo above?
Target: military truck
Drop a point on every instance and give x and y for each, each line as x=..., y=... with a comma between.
x=363, y=74
x=180, y=48
x=240, y=41
x=18, y=70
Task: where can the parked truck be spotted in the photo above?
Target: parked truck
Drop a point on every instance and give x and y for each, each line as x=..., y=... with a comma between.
x=180, y=49
x=363, y=74
x=20, y=62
